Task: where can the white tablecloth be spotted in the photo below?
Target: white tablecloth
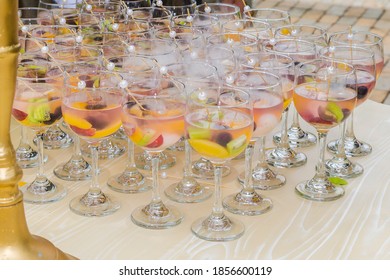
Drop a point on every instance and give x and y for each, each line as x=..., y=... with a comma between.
x=357, y=226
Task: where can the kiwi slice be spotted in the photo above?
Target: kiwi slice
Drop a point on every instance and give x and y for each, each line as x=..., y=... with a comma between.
x=199, y=133
x=237, y=145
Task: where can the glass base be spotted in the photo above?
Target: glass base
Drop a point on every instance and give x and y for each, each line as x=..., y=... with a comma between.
x=353, y=147
x=144, y=161
x=107, y=149
x=94, y=205
x=188, y=190
x=204, y=169
x=343, y=168
x=178, y=146
x=285, y=158
x=247, y=203
x=297, y=137
x=319, y=190
x=55, y=138
x=42, y=191
x=129, y=182
x=264, y=179
x=120, y=134
x=156, y=216
x=26, y=157
x=215, y=228
x=74, y=170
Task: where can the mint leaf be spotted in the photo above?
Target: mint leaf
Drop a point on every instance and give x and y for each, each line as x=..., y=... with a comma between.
x=337, y=181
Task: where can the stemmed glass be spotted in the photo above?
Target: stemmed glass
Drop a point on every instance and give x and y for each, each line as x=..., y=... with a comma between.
x=299, y=51
x=283, y=66
x=223, y=121
x=134, y=69
x=265, y=91
x=154, y=121
x=92, y=109
x=196, y=74
x=261, y=30
x=324, y=97
x=223, y=11
x=363, y=61
x=76, y=168
x=353, y=146
x=164, y=52
x=37, y=104
x=178, y=7
x=158, y=17
x=274, y=17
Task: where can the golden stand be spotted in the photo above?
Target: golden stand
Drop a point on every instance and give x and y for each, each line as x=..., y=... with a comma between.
x=16, y=242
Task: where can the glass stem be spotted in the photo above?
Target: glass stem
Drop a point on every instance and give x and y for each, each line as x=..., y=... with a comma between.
x=40, y=174
x=130, y=166
x=95, y=188
x=341, y=148
x=262, y=163
x=156, y=198
x=320, y=168
x=295, y=122
x=248, y=186
x=187, y=160
x=217, y=207
x=23, y=137
x=284, y=136
x=349, y=132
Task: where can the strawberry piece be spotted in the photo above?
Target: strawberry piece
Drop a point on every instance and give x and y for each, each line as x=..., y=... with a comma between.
x=83, y=132
x=156, y=143
x=19, y=115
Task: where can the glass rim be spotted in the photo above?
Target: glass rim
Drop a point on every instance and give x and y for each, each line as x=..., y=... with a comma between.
x=310, y=46
x=275, y=55
x=378, y=37
x=235, y=8
x=278, y=82
x=369, y=52
x=351, y=69
x=283, y=12
x=48, y=65
x=315, y=27
x=206, y=67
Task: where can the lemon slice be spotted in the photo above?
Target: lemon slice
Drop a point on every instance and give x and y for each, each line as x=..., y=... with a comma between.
x=77, y=122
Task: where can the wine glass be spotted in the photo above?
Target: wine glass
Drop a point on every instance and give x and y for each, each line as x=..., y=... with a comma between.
x=60, y=9
x=300, y=51
x=91, y=107
x=261, y=30
x=154, y=120
x=223, y=121
x=352, y=145
x=34, y=16
x=159, y=17
x=177, y=7
x=265, y=90
x=364, y=62
x=274, y=17
x=283, y=155
x=37, y=104
x=164, y=52
x=324, y=97
x=266, y=93
x=188, y=190
x=132, y=69
x=223, y=11
x=206, y=23
x=76, y=168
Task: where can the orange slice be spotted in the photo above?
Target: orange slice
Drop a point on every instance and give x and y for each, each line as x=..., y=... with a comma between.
x=208, y=148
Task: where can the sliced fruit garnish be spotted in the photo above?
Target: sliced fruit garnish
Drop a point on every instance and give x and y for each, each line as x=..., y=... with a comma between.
x=236, y=146
x=223, y=138
x=336, y=111
x=199, y=133
x=148, y=136
x=156, y=143
x=108, y=131
x=19, y=115
x=337, y=181
x=208, y=148
x=39, y=113
x=135, y=110
x=83, y=132
x=77, y=122
x=285, y=31
x=79, y=105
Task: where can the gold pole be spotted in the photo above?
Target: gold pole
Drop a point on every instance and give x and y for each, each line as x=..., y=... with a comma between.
x=16, y=242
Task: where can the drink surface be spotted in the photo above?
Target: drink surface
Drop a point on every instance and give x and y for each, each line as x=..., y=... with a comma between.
x=365, y=84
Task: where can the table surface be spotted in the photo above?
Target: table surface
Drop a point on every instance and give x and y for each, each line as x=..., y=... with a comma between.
x=357, y=226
